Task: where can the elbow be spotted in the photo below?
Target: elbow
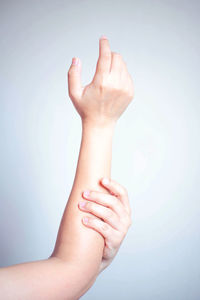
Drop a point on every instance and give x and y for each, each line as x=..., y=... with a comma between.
x=77, y=278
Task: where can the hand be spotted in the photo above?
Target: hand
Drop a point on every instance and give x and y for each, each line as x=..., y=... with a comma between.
x=103, y=100
x=112, y=217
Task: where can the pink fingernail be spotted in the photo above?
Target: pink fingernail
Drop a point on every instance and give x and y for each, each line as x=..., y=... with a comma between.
x=105, y=181
x=86, y=193
x=82, y=204
x=85, y=220
x=75, y=61
x=103, y=37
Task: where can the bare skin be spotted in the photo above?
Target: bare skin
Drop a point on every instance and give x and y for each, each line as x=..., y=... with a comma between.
x=72, y=267
x=111, y=217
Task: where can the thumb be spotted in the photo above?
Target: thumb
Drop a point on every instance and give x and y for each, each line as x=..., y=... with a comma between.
x=74, y=78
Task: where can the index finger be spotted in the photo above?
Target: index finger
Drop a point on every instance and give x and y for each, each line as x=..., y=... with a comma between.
x=118, y=190
x=104, y=60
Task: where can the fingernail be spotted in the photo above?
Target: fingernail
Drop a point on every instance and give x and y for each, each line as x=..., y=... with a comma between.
x=103, y=37
x=86, y=193
x=82, y=204
x=75, y=61
x=85, y=220
x=105, y=181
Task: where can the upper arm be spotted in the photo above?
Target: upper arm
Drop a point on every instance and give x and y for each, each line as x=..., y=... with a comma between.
x=45, y=279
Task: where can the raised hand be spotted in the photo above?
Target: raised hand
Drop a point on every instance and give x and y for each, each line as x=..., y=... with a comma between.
x=103, y=100
x=110, y=216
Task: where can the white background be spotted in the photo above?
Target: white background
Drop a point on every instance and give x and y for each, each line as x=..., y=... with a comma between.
x=155, y=148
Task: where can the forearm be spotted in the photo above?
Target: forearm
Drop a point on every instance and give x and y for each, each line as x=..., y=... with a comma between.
x=44, y=279
x=75, y=242
x=75, y=262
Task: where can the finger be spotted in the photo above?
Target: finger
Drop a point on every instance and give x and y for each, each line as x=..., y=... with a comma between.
x=118, y=190
x=116, y=62
x=103, y=228
x=74, y=78
x=102, y=212
x=104, y=60
x=106, y=200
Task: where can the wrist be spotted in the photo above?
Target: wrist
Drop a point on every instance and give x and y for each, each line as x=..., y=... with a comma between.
x=98, y=126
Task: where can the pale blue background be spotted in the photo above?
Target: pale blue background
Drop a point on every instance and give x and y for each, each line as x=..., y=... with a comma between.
x=156, y=144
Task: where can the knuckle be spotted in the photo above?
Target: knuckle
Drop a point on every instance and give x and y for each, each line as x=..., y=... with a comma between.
x=109, y=214
x=127, y=223
x=116, y=89
x=69, y=72
x=124, y=191
x=117, y=54
x=115, y=201
x=102, y=87
x=107, y=55
x=102, y=84
x=104, y=226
